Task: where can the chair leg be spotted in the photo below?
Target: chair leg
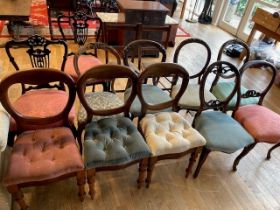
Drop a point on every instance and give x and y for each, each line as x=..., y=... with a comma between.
x=142, y=172
x=91, y=182
x=203, y=156
x=244, y=152
x=18, y=196
x=151, y=165
x=191, y=161
x=270, y=150
x=81, y=180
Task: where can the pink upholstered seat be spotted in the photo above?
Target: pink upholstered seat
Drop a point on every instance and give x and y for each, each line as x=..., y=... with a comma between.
x=41, y=103
x=43, y=155
x=85, y=62
x=262, y=123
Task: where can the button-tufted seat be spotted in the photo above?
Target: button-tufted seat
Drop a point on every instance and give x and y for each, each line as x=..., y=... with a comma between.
x=99, y=101
x=169, y=132
x=42, y=155
x=153, y=95
x=41, y=103
x=190, y=99
x=113, y=141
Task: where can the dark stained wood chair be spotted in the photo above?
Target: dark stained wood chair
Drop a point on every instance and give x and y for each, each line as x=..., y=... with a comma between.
x=79, y=23
x=220, y=88
x=45, y=149
x=192, y=46
x=221, y=131
x=167, y=133
x=111, y=143
x=262, y=123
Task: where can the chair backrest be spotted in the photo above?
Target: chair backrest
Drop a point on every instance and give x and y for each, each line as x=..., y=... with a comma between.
x=136, y=49
x=38, y=51
x=79, y=23
x=264, y=66
x=215, y=70
x=162, y=70
x=194, y=42
x=36, y=77
x=107, y=73
x=224, y=49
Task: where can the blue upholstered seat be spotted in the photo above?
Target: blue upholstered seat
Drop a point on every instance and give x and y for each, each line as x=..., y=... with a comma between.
x=222, y=132
x=151, y=93
x=113, y=141
x=223, y=89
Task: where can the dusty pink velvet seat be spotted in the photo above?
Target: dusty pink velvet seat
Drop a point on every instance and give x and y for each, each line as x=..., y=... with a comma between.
x=85, y=62
x=42, y=155
x=262, y=123
x=41, y=103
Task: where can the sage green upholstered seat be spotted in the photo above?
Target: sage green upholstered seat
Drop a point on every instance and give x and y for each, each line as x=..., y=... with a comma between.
x=153, y=95
x=223, y=89
x=113, y=141
x=222, y=132
x=190, y=99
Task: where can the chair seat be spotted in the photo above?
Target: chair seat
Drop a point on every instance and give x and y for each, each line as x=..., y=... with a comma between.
x=85, y=62
x=223, y=89
x=222, y=132
x=112, y=142
x=4, y=128
x=190, y=99
x=41, y=103
x=169, y=132
x=43, y=155
x=99, y=101
x=151, y=93
x=262, y=123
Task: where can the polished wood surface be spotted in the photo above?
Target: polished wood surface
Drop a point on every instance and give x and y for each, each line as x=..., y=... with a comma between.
x=255, y=185
x=141, y=5
x=15, y=10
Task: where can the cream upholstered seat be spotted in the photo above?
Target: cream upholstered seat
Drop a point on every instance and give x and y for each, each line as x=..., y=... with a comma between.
x=169, y=132
x=4, y=127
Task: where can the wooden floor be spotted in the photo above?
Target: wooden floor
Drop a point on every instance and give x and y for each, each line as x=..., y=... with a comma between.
x=256, y=184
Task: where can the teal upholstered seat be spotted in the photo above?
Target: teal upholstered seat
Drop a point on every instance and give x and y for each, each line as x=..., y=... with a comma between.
x=152, y=94
x=223, y=89
x=222, y=132
x=113, y=141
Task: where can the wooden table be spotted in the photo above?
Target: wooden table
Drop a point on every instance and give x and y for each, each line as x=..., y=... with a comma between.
x=15, y=11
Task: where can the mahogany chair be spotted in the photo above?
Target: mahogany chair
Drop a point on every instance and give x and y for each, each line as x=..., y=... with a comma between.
x=41, y=152
x=111, y=143
x=221, y=131
x=167, y=133
x=262, y=123
x=38, y=49
x=220, y=88
x=79, y=23
x=190, y=99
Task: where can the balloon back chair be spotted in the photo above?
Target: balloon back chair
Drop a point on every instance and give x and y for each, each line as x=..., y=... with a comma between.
x=111, y=143
x=221, y=131
x=192, y=46
x=221, y=88
x=262, y=123
x=167, y=133
x=45, y=149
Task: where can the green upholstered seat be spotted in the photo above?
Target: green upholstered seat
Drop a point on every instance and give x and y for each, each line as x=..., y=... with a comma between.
x=113, y=141
x=222, y=132
x=151, y=93
x=190, y=99
x=223, y=89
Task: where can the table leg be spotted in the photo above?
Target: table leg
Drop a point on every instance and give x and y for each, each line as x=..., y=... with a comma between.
x=183, y=9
